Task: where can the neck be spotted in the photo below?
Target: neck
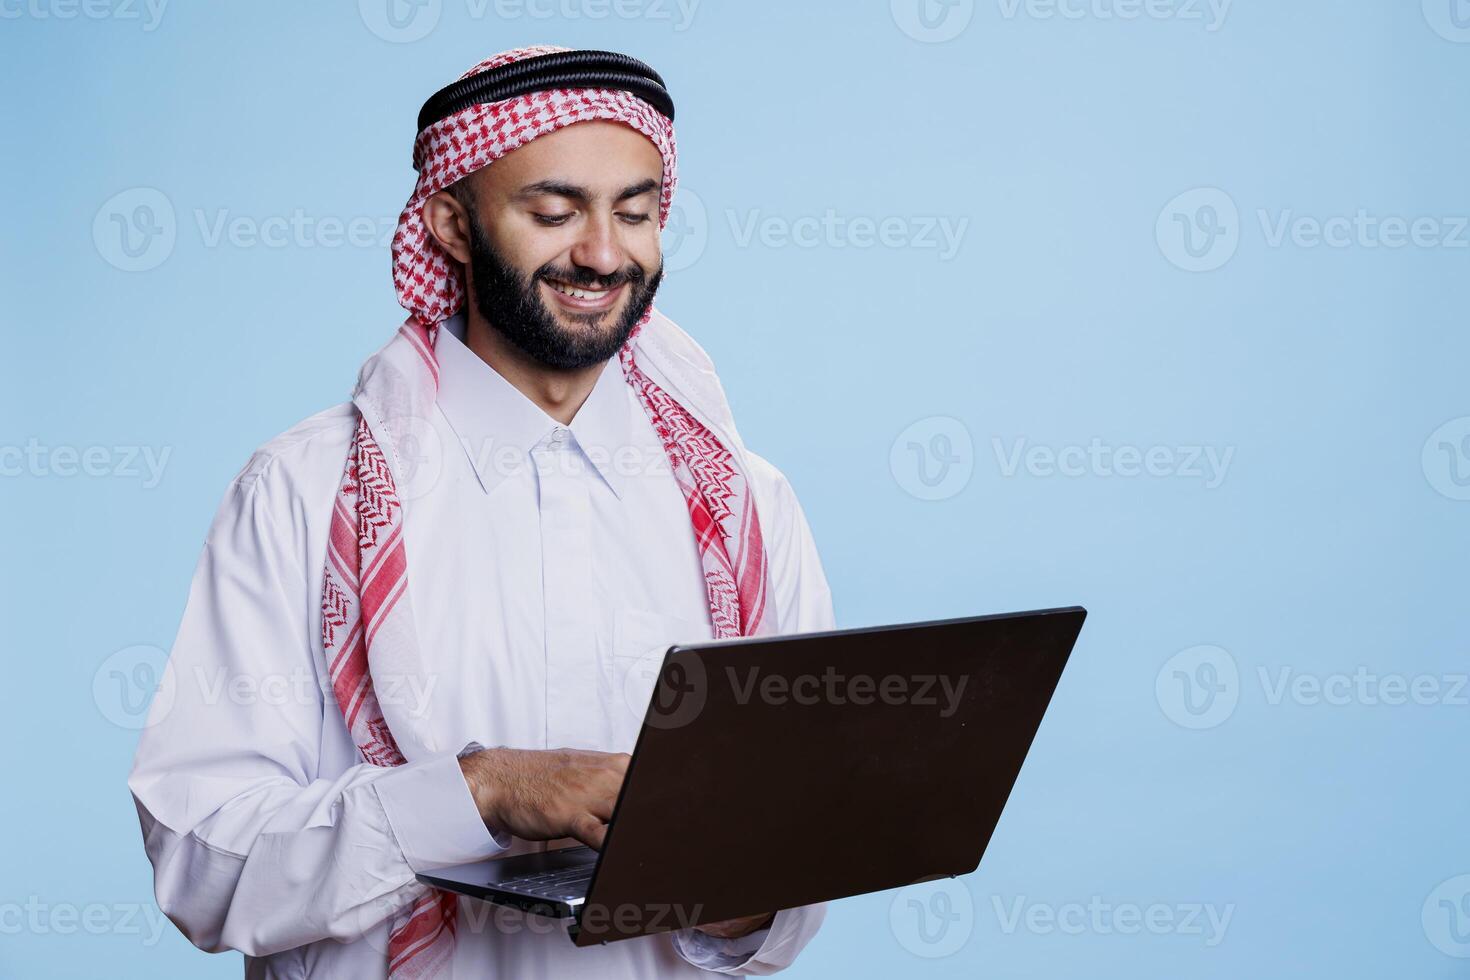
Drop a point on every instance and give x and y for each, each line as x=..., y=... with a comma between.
x=557, y=393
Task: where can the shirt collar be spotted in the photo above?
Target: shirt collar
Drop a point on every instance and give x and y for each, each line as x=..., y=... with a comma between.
x=498, y=426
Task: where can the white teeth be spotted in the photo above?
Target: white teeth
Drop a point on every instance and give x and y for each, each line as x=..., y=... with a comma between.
x=576, y=292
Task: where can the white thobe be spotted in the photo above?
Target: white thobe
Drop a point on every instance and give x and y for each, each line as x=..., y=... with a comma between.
x=543, y=562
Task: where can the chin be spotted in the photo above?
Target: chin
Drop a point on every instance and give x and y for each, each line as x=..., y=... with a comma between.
x=601, y=322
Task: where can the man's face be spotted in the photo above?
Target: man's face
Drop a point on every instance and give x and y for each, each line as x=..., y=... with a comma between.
x=563, y=246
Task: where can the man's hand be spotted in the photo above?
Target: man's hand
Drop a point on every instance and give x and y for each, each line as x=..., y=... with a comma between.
x=546, y=794
x=735, y=928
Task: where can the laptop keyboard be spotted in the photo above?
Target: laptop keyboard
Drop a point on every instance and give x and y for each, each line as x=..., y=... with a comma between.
x=561, y=885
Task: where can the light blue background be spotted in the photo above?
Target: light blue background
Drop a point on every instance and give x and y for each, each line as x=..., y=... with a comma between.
x=1327, y=549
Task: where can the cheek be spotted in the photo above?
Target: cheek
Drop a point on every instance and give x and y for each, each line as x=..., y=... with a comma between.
x=644, y=246
x=529, y=246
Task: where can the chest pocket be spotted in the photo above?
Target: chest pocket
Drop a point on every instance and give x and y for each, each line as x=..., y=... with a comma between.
x=640, y=640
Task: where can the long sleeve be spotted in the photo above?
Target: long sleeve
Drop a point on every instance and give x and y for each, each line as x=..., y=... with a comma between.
x=803, y=604
x=251, y=848
x=803, y=600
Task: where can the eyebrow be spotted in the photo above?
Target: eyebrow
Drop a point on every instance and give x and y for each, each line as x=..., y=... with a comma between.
x=560, y=188
x=635, y=190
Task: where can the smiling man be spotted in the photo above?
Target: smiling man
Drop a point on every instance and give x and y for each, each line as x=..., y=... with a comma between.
x=538, y=481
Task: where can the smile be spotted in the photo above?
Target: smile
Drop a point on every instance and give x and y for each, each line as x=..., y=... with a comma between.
x=584, y=298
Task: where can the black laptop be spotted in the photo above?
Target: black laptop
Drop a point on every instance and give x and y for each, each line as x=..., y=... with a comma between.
x=771, y=772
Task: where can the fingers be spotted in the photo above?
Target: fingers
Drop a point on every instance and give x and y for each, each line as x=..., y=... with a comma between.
x=602, y=806
x=589, y=830
x=585, y=783
x=609, y=784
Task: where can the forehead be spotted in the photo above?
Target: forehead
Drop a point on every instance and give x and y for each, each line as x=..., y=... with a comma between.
x=596, y=155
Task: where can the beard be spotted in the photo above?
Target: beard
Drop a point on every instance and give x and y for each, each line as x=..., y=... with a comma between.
x=511, y=303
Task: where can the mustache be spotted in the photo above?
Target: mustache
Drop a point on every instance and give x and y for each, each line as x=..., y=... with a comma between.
x=579, y=276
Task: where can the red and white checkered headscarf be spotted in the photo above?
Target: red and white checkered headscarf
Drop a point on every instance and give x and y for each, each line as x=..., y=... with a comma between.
x=367, y=618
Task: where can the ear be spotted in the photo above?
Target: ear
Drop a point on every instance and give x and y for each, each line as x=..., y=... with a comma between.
x=449, y=224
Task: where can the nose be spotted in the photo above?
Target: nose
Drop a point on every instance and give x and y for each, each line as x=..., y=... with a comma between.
x=597, y=247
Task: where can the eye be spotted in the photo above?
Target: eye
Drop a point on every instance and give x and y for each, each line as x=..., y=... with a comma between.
x=634, y=219
x=552, y=220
